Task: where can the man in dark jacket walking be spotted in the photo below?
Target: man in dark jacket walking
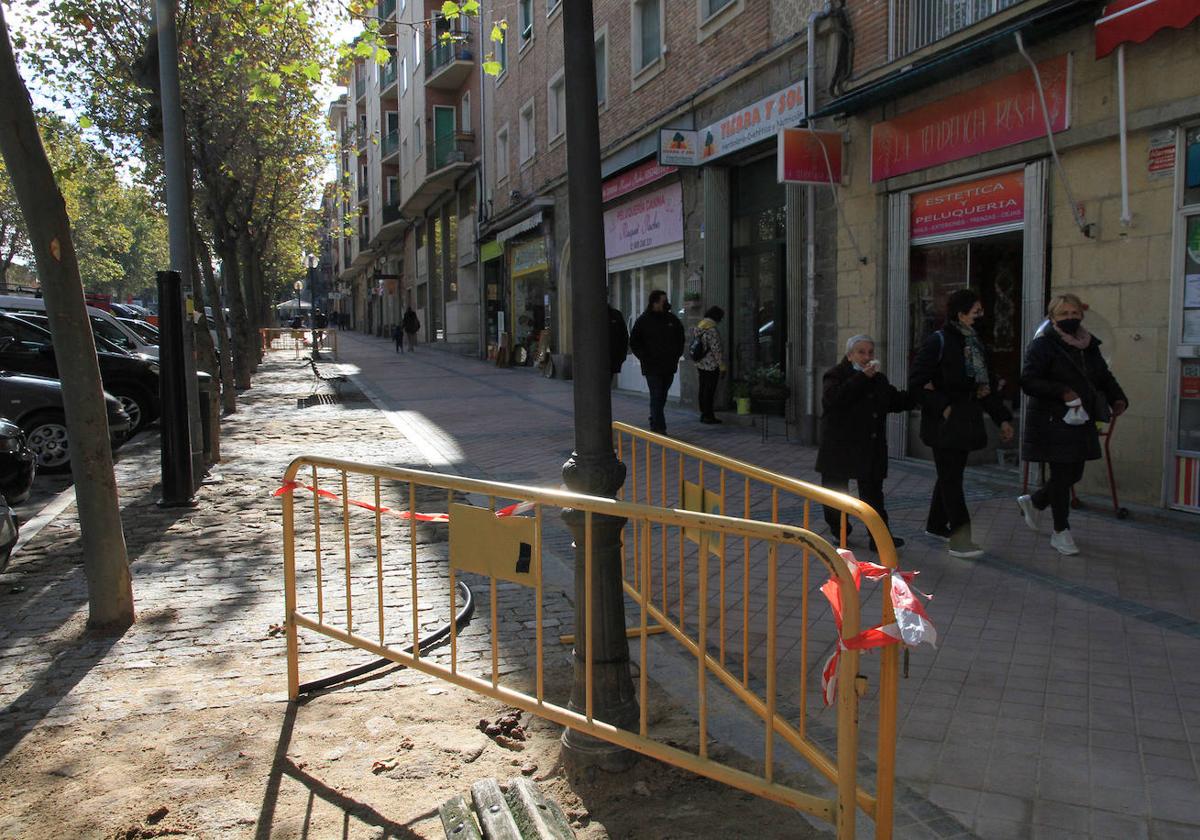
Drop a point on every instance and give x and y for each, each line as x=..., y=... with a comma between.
x=618, y=340
x=657, y=341
x=856, y=400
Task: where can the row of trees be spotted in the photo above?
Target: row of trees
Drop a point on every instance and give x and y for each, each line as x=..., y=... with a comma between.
x=250, y=75
x=119, y=228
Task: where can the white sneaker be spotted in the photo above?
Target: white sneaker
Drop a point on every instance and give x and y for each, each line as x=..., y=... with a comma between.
x=1063, y=542
x=1025, y=503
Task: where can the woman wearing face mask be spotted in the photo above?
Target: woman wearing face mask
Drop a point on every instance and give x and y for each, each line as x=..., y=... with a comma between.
x=1070, y=389
x=953, y=372
x=856, y=401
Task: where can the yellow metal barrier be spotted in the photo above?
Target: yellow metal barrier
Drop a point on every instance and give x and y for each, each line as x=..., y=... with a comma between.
x=672, y=474
x=393, y=576
x=300, y=341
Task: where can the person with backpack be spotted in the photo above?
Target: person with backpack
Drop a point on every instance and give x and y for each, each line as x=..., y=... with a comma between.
x=706, y=352
x=855, y=402
x=1070, y=389
x=411, y=326
x=398, y=336
x=657, y=341
x=953, y=376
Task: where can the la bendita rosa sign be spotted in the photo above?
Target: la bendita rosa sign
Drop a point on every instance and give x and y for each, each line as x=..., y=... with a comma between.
x=645, y=222
x=988, y=204
x=1001, y=113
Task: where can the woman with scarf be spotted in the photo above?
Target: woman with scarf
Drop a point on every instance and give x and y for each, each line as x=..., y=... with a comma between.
x=952, y=372
x=1070, y=389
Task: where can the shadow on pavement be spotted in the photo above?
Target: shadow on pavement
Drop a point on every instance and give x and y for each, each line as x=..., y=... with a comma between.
x=283, y=766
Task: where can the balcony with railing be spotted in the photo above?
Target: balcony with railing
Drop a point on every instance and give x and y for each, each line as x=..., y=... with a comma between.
x=389, y=145
x=364, y=242
x=448, y=155
x=915, y=24
x=391, y=213
x=360, y=82
x=363, y=191
x=449, y=63
x=387, y=75
x=387, y=11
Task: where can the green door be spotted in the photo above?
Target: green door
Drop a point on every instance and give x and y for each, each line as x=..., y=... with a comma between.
x=443, y=135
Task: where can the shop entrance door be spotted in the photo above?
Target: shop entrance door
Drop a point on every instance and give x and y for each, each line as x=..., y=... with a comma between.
x=991, y=266
x=987, y=233
x=629, y=291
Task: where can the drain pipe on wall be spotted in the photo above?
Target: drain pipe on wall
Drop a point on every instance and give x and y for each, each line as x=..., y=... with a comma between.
x=808, y=431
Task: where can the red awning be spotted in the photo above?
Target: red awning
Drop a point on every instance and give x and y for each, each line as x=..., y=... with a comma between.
x=1134, y=21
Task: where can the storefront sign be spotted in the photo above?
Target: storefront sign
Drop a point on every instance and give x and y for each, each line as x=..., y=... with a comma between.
x=647, y=222
x=635, y=178
x=758, y=121
x=1160, y=162
x=976, y=207
x=809, y=157
x=677, y=147
x=1189, y=381
x=992, y=116
x=528, y=256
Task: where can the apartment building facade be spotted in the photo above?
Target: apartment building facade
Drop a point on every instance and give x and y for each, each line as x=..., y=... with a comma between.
x=965, y=167
x=714, y=231
x=408, y=172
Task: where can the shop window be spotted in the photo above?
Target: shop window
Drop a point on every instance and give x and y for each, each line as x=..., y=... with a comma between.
x=1191, y=185
x=758, y=325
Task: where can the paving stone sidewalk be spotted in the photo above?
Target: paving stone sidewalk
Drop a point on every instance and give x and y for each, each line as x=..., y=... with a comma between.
x=1064, y=698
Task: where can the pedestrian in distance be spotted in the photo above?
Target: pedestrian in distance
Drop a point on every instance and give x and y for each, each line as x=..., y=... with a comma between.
x=1070, y=389
x=856, y=400
x=398, y=336
x=706, y=339
x=657, y=341
x=953, y=377
x=411, y=326
x=618, y=340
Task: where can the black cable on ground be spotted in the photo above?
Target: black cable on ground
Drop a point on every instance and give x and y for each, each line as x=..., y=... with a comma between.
x=433, y=639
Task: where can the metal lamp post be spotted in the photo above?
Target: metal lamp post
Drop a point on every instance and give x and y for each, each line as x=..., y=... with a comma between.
x=313, y=261
x=298, y=287
x=593, y=467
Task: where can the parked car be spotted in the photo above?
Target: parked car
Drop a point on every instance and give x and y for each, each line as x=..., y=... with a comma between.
x=130, y=310
x=103, y=323
x=27, y=348
x=18, y=464
x=35, y=403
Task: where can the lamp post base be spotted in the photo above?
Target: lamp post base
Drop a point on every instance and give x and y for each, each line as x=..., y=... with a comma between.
x=613, y=698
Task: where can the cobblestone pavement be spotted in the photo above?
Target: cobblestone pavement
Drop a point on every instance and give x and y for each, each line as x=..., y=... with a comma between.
x=1064, y=698
x=187, y=708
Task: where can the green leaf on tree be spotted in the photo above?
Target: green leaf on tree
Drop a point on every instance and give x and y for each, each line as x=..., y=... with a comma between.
x=492, y=68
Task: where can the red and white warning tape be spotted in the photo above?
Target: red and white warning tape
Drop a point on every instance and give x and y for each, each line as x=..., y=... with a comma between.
x=289, y=486
x=911, y=627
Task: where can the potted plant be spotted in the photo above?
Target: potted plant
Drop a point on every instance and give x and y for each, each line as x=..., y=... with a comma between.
x=769, y=391
x=741, y=395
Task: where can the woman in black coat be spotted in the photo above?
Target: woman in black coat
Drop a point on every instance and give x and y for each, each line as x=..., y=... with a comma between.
x=1070, y=389
x=953, y=373
x=855, y=404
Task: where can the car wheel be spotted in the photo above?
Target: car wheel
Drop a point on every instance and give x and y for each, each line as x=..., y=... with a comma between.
x=46, y=433
x=136, y=405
